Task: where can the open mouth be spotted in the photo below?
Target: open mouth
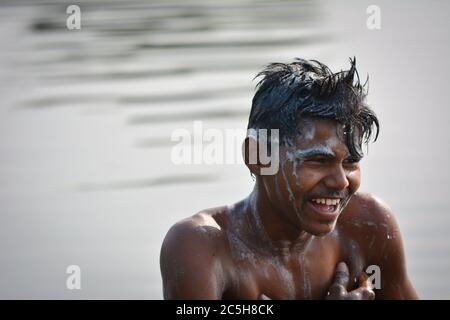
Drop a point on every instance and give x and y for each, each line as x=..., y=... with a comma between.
x=326, y=207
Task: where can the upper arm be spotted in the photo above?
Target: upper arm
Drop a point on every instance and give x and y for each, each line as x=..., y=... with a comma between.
x=395, y=283
x=189, y=264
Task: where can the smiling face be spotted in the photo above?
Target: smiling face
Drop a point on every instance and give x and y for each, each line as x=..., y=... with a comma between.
x=316, y=179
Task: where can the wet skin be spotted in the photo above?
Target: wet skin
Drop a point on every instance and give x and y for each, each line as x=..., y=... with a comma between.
x=278, y=243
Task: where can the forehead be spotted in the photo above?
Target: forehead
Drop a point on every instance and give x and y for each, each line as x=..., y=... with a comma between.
x=326, y=135
x=320, y=132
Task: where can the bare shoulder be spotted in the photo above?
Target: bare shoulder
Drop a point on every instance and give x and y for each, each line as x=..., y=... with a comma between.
x=370, y=220
x=368, y=209
x=200, y=231
x=191, y=258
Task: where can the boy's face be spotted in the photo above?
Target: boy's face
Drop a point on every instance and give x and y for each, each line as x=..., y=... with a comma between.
x=316, y=179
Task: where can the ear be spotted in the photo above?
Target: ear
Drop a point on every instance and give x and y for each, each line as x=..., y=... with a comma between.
x=256, y=154
x=250, y=154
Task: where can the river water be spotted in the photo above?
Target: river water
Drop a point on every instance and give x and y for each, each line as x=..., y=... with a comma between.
x=86, y=116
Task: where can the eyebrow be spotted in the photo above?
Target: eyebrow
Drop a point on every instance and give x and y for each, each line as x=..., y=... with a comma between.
x=312, y=152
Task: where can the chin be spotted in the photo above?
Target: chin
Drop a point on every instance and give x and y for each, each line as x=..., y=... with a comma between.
x=321, y=229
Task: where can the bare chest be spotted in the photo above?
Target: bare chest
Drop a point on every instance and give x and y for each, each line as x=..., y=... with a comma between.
x=293, y=276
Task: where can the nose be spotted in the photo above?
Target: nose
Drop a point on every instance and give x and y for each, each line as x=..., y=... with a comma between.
x=337, y=178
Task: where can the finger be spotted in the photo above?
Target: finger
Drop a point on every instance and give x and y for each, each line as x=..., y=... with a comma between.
x=368, y=294
x=362, y=294
x=263, y=297
x=366, y=287
x=364, y=281
x=342, y=275
x=337, y=292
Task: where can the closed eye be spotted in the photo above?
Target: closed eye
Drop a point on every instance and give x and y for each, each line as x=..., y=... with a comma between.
x=353, y=162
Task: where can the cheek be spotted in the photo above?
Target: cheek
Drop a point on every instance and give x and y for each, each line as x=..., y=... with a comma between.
x=309, y=178
x=354, y=180
x=287, y=182
x=295, y=176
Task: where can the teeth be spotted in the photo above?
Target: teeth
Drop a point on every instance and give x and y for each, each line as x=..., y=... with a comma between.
x=327, y=201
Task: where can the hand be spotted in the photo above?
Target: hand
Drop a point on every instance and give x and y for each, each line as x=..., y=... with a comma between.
x=338, y=290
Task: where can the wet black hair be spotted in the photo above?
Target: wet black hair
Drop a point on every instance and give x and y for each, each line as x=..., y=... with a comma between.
x=288, y=93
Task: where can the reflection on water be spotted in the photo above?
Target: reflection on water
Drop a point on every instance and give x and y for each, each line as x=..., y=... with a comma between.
x=145, y=183
x=93, y=110
x=180, y=116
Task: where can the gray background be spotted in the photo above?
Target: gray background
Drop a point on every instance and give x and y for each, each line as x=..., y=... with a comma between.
x=86, y=118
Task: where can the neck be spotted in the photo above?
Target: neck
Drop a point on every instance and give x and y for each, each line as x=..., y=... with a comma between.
x=272, y=225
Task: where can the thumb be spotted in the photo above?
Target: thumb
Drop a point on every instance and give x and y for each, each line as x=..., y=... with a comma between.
x=342, y=275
